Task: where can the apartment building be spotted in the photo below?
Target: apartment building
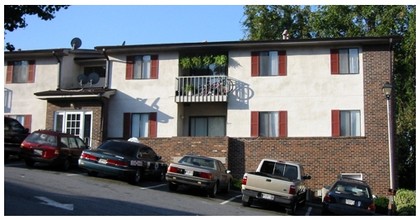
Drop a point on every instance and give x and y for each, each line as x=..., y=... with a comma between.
x=316, y=101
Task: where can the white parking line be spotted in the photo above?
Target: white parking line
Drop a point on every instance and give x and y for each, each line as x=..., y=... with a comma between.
x=151, y=187
x=309, y=211
x=230, y=199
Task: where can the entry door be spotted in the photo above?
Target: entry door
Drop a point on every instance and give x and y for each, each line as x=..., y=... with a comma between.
x=76, y=123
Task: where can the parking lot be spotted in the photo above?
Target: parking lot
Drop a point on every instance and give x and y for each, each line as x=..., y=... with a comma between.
x=45, y=191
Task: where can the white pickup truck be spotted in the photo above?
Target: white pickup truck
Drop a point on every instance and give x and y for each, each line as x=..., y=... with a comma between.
x=282, y=182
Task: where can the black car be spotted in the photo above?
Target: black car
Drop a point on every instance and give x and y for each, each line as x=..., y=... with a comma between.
x=349, y=197
x=53, y=148
x=14, y=134
x=125, y=159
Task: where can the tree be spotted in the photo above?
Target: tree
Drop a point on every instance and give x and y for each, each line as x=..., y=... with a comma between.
x=14, y=16
x=333, y=21
x=268, y=22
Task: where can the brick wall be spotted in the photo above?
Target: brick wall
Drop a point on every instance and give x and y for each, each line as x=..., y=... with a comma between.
x=95, y=107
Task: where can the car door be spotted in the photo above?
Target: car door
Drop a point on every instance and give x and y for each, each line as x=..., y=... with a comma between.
x=74, y=149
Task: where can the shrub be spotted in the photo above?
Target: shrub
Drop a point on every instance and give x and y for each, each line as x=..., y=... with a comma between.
x=381, y=204
x=405, y=202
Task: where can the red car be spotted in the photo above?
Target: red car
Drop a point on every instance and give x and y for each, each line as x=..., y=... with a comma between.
x=53, y=148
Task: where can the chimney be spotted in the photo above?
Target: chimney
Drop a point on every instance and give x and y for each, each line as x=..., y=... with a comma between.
x=285, y=34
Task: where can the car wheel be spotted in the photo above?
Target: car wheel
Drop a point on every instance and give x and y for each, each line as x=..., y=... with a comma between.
x=137, y=177
x=66, y=165
x=292, y=210
x=247, y=203
x=29, y=163
x=227, y=189
x=161, y=176
x=172, y=186
x=213, y=191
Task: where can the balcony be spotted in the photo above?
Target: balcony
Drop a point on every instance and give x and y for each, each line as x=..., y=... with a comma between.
x=202, y=88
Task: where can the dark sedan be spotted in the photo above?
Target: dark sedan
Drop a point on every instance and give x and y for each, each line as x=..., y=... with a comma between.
x=129, y=160
x=198, y=171
x=349, y=197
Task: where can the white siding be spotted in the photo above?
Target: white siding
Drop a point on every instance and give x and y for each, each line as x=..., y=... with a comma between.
x=20, y=98
x=308, y=93
x=145, y=95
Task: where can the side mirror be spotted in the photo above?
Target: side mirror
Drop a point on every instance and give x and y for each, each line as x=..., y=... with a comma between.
x=26, y=130
x=306, y=177
x=158, y=158
x=227, y=171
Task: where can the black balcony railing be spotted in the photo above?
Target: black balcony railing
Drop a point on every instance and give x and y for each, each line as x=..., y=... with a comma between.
x=202, y=88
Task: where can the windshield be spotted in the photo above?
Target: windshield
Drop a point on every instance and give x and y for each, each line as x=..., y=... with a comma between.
x=39, y=138
x=120, y=148
x=201, y=162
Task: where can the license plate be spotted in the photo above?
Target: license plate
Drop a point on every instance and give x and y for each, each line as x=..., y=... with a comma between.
x=38, y=152
x=267, y=196
x=349, y=202
x=189, y=172
x=102, y=161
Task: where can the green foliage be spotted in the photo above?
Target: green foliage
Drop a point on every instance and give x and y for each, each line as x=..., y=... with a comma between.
x=405, y=202
x=202, y=61
x=381, y=202
x=237, y=184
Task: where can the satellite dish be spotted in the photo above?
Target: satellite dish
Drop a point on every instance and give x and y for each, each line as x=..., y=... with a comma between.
x=82, y=79
x=76, y=43
x=93, y=78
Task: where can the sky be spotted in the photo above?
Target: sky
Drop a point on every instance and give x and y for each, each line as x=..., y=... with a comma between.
x=109, y=25
x=160, y=21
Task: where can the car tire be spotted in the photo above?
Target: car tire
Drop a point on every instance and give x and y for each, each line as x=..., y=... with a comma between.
x=161, y=177
x=137, y=177
x=292, y=210
x=227, y=189
x=172, y=186
x=213, y=190
x=66, y=165
x=247, y=203
x=29, y=163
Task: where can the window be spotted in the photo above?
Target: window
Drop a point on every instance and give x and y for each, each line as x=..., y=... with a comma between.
x=142, y=67
x=100, y=70
x=139, y=125
x=345, y=61
x=268, y=63
x=346, y=123
x=78, y=123
x=208, y=126
x=20, y=71
x=269, y=124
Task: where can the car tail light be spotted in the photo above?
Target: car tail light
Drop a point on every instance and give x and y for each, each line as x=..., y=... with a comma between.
x=327, y=198
x=244, y=180
x=292, y=189
x=372, y=207
x=206, y=175
x=117, y=163
x=88, y=157
x=173, y=169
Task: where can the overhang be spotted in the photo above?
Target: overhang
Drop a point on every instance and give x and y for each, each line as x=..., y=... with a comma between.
x=234, y=45
x=79, y=94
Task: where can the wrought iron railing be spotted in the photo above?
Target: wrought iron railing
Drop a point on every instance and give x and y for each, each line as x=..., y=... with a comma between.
x=202, y=88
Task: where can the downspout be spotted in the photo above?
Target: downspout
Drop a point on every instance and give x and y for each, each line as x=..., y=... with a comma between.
x=59, y=70
x=106, y=68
